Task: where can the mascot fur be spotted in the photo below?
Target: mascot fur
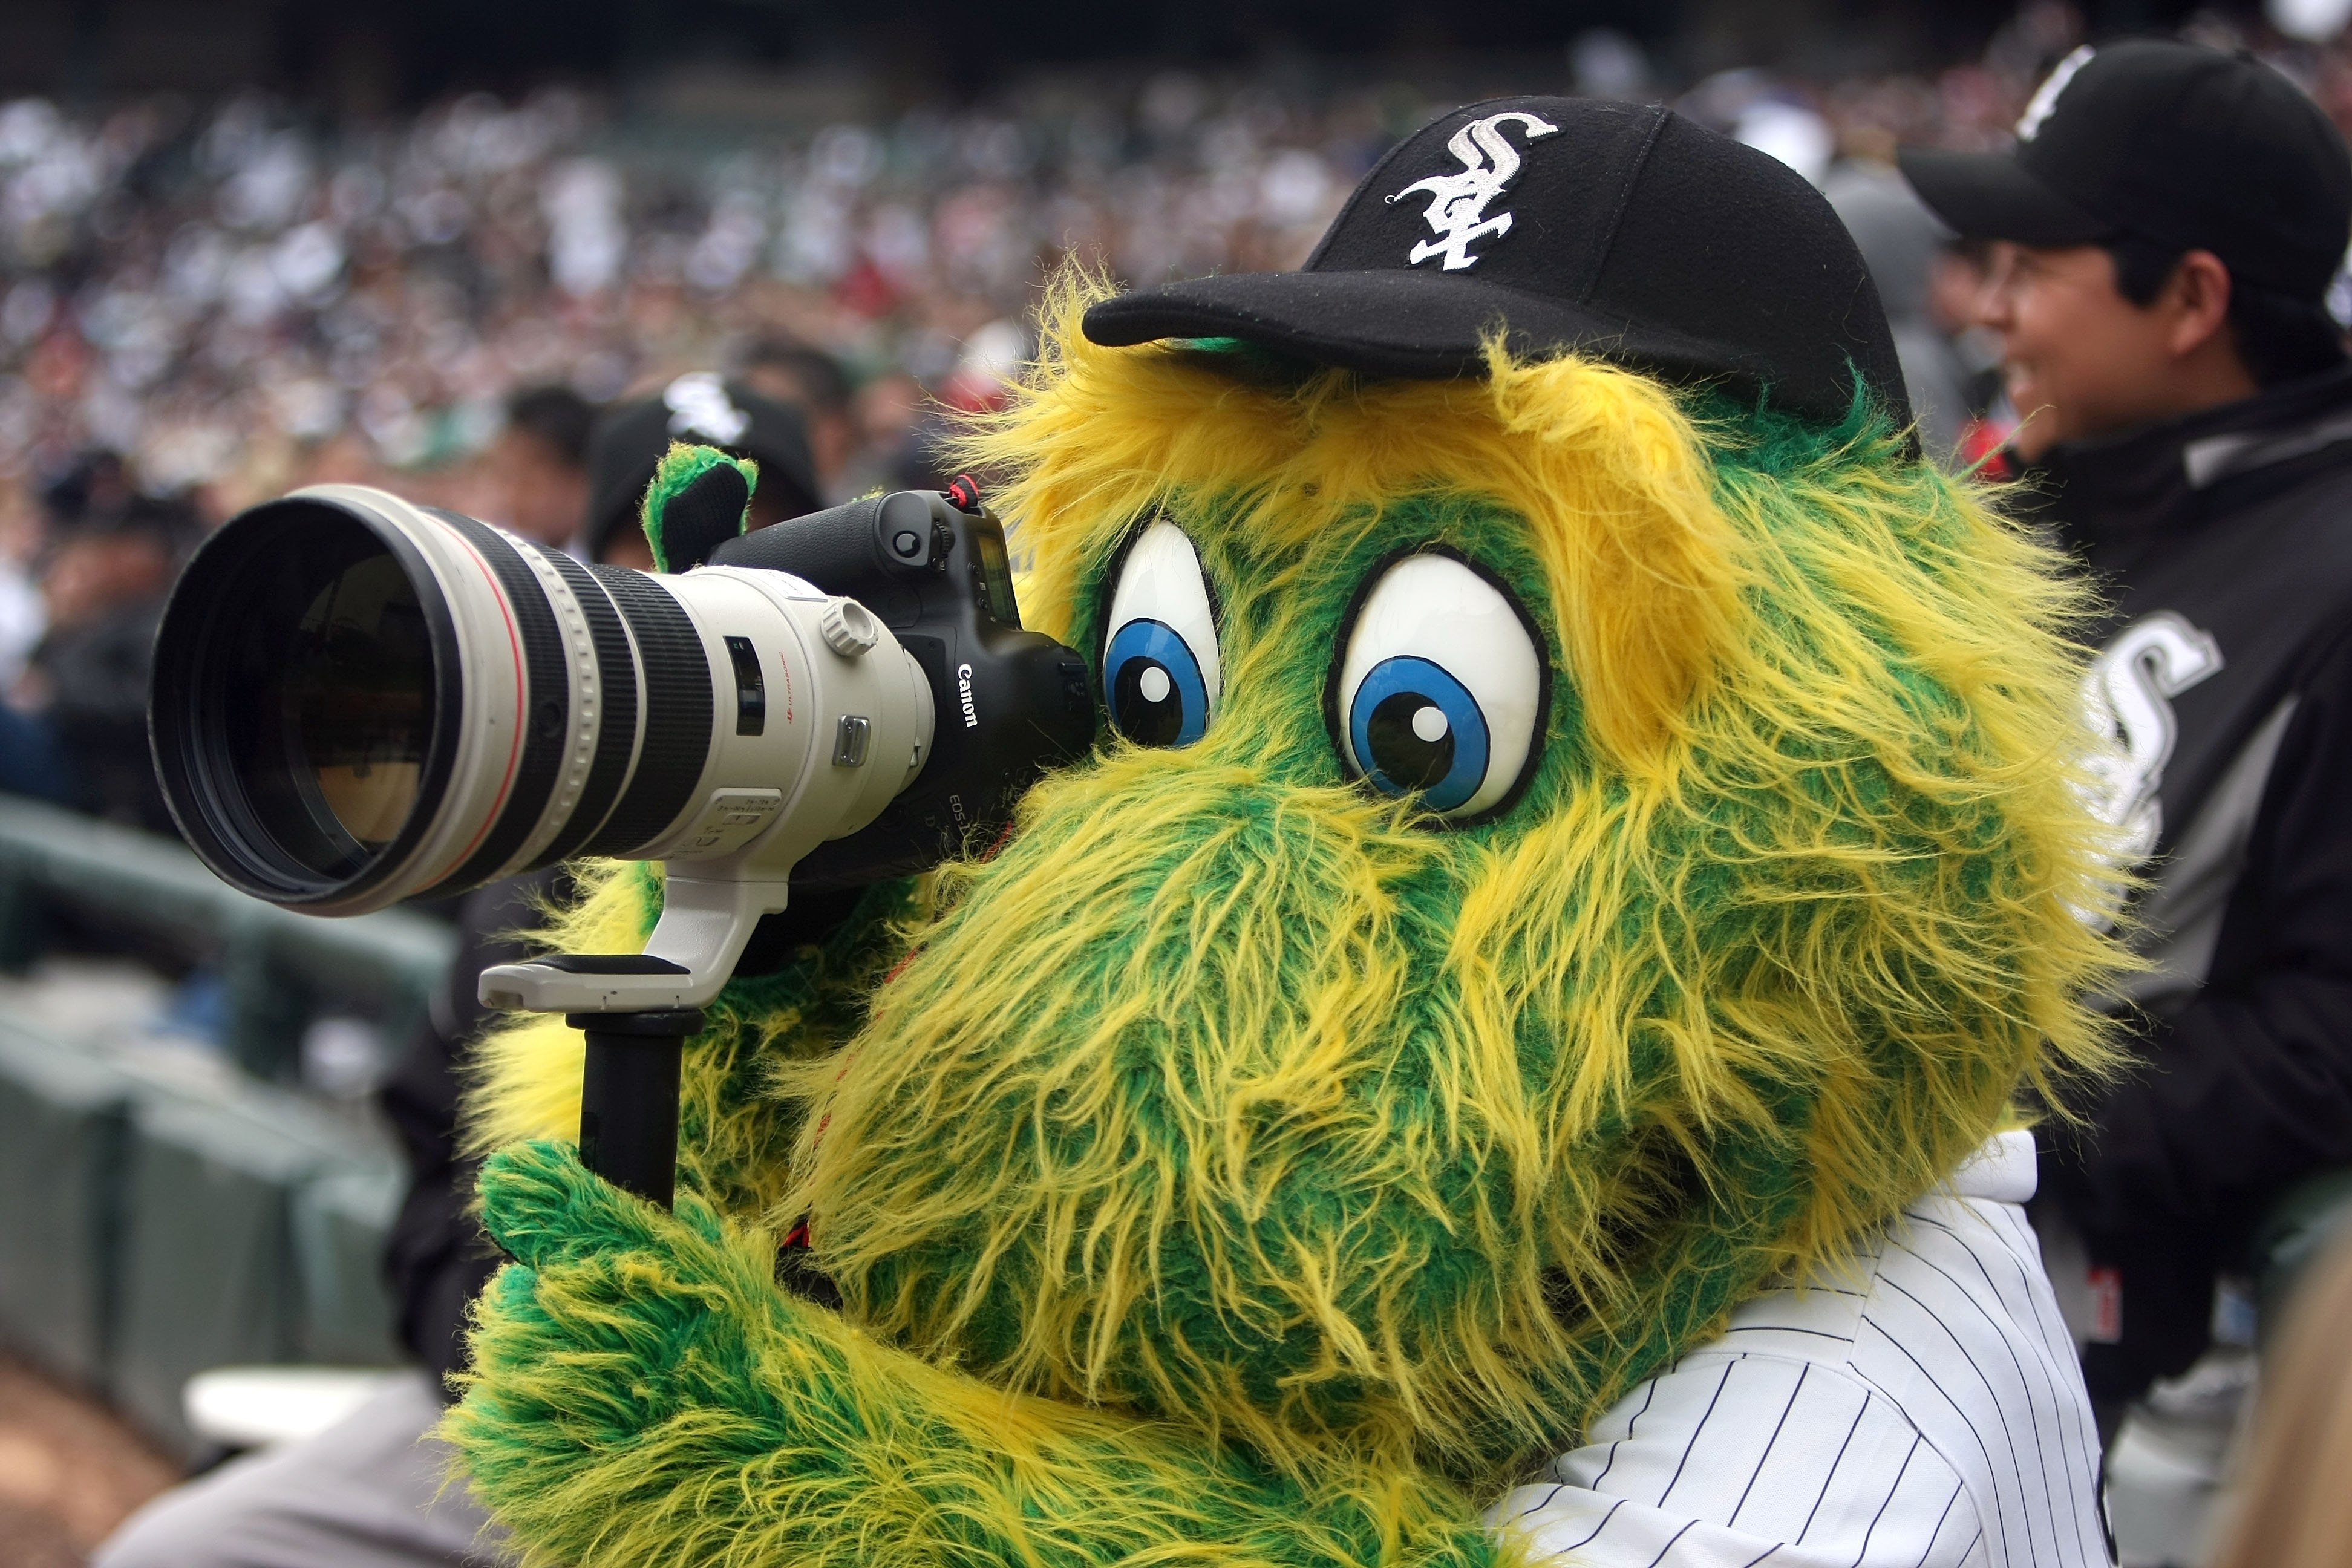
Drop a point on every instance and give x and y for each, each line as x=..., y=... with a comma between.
x=1249, y=1162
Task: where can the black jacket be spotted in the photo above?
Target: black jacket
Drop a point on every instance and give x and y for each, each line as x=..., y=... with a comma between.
x=2224, y=542
x=437, y=1258
x=97, y=676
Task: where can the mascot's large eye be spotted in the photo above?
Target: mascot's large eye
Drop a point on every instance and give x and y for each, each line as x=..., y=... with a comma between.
x=1160, y=661
x=1439, y=688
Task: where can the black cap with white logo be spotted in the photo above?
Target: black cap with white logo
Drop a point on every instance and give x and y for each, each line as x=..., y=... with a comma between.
x=1574, y=226
x=699, y=407
x=2172, y=142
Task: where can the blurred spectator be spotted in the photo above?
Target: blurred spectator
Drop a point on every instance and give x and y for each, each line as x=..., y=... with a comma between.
x=1957, y=280
x=1901, y=242
x=23, y=618
x=540, y=465
x=110, y=561
x=812, y=381
x=2293, y=1508
x=31, y=762
x=896, y=427
x=697, y=406
x=216, y=294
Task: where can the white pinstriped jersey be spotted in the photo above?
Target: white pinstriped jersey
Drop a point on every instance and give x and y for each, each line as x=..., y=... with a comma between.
x=1926, y=1413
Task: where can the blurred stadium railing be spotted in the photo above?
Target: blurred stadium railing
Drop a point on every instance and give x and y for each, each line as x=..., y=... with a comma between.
x=154, y=1222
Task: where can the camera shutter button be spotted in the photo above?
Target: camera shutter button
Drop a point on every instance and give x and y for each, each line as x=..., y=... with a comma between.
x=848, y=628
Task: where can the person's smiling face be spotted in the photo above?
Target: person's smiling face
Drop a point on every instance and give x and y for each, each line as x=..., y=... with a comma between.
x=2078, y=357
x=2082, y=359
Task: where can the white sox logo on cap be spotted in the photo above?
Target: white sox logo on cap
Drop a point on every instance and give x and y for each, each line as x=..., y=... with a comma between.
x=2029, y=124
x=699, y=405
x=1457, y=202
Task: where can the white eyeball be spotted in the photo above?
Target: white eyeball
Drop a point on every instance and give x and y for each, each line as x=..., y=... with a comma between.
x=1440, y=689
x=1160, y=670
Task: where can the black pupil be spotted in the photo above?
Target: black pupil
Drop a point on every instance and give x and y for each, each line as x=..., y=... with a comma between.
x=1402, y=757
x=1140, y=719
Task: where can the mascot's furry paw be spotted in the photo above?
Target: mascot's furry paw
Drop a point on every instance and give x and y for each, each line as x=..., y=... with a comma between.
x=644, y=1393
x=547, y=1212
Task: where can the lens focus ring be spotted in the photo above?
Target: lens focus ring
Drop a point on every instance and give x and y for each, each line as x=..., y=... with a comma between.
x=547, y=716
x=678, y=705
x=616, y=732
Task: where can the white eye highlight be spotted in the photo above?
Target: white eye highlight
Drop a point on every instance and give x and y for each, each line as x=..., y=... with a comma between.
x=1441, y=688
x=1159, y=669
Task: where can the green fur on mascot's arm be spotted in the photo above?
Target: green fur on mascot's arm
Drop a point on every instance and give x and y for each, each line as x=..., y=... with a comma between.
x=644, y=1393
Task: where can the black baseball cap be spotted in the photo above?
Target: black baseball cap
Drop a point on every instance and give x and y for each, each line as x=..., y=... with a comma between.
x=1623, y=231
x=699, y=407
x=2173, y=143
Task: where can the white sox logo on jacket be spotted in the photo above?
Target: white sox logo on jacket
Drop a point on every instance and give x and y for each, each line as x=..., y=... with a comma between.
x=2127, y=699
x=699, y=405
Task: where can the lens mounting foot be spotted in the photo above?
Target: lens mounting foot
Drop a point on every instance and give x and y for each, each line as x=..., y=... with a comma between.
x=705, y=921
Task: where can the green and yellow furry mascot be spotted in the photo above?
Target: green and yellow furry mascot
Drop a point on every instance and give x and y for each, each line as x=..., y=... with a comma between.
x=1586, y=829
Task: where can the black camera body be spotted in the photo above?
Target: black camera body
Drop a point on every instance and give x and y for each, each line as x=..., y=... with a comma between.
x=939, y=578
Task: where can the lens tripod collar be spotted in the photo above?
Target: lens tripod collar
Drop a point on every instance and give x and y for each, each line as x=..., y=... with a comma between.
x=692, y=953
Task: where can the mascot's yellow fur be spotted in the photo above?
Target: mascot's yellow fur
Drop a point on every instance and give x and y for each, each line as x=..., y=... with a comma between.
x=1238, y=1167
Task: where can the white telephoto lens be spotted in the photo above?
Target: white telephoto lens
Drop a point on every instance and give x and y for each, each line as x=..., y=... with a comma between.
x=358, y=699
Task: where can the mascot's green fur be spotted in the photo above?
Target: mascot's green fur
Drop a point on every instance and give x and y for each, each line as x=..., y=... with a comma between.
x=1237, y=1168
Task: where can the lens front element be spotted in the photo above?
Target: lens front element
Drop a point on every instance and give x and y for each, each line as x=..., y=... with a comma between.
x=358, y=699
x=301, y=682
x=354, y=687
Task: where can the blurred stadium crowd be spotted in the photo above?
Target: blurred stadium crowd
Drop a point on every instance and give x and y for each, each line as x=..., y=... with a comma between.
x=203, y=306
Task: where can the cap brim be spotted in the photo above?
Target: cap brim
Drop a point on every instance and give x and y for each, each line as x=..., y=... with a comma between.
x=1991, y=195
x=1425, y=326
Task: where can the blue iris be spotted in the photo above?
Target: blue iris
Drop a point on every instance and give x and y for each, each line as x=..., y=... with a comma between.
x=1156, y=695
x=1417, y=729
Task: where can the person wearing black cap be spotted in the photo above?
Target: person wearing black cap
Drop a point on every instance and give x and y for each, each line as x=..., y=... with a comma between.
x=813, y=384
x=697, y=406
x=539, y=464
x=109, y=567
x=2172, y=217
